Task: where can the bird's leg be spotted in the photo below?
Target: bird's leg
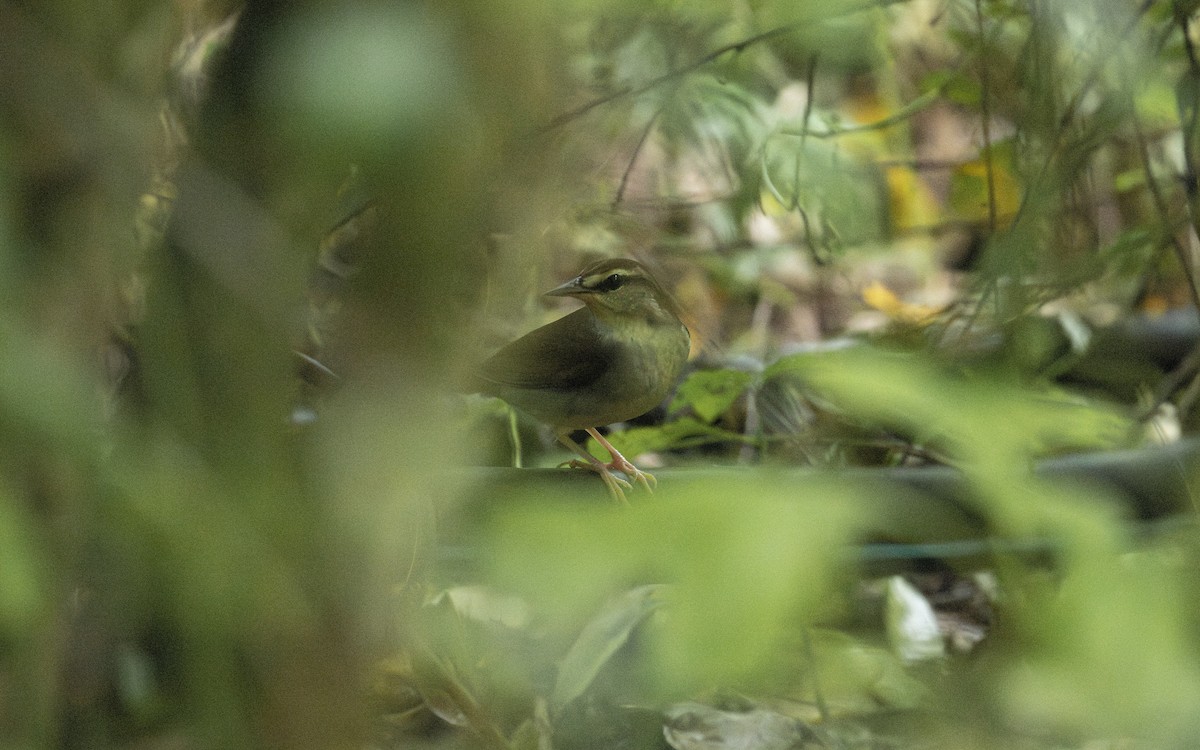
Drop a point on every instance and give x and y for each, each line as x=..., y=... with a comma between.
x=613, y=483
x=622, y=464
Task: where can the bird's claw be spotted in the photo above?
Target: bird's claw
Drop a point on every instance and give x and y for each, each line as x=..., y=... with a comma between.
x=644, y=478
x=615, y=484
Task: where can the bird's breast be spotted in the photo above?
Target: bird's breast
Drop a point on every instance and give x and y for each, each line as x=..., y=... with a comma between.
x=650, y=361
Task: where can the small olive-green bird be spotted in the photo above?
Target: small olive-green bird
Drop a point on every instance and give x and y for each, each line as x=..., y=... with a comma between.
x=612, y=360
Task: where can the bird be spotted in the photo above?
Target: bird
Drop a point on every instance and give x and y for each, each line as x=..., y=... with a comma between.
x=613, y=359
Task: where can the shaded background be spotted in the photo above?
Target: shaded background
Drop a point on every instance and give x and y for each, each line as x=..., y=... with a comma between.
x=244, y=252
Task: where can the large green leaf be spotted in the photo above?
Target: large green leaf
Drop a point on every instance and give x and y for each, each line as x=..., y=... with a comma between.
x=680, y=433
x=747, y=559
x=600, y=639
x=710, y=393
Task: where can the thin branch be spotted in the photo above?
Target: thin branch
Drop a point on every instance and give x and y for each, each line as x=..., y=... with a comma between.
x=985, y=114
x=1164, y=211
x=637, y=150
x=1170, y=383
x=810, y=83
x=1187, y=259
x=1192, y=113
x=711, y=57
x=1072, y=107
x=922, y=102
x=1174, y=379
x=580, y=111
x=1093, y=75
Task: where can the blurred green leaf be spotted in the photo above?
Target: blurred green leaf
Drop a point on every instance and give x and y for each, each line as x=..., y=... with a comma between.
x=535, y=733
x=991, y=428
x=841, y=193
x=978, y=420
x=857, y=677
x=709, y=112
x=1108, y=645
x=23, y=571
x=1131, y=250
x=1156, y=105
x=600, y=639
x=375, y=76
x=955, y=85
x=845, y=33
x=45, y=392
x=677, y=434
x=768, y=556
x=710, y=393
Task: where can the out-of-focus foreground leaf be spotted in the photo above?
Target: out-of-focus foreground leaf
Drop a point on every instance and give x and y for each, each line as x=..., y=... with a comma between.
x=768, y=557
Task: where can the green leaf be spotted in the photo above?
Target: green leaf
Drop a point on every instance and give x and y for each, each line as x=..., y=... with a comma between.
x=955, y=86
x=748, y=541
x=682, y=433
x=856, y=676
x=23, y=569
x=1155, y=102
x=1110, y=647
x=534, y=733
x=991, y=428
x=600, y=639
x=708, y=110
x=992, y=421
x=1129, y=179
x=710, y=392
x=841, y=192
x=1130, y=252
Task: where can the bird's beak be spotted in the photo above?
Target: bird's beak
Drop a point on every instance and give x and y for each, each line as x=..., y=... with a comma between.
x=573, y=288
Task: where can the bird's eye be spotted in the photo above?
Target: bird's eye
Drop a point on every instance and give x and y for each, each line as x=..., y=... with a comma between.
x=612, y=282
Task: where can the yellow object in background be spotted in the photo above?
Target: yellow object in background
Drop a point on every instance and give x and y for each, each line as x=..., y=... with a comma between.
x=911, y=204
x=879, y=297
x=969, y=195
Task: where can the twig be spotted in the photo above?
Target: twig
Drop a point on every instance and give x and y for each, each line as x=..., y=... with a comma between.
x=1093, y=76
x=1171, y=382
x=1160, y=205
x=810, y=83
x=1072, y=106
x=1189, y=125
x=985, y=114
x=922, y=102
x=711, y=57
x=637, y=150
x=1174, y=379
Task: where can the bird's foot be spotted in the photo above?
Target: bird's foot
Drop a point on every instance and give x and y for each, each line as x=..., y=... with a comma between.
x=616, y=485
x=644, y=478
x=623, y=465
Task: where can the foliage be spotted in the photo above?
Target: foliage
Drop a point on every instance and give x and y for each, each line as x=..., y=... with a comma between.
x=245, y=254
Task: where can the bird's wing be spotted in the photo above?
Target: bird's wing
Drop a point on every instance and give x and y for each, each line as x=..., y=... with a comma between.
x=568, y=353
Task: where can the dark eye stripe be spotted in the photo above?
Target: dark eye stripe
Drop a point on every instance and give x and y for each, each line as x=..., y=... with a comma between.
x=608, y=283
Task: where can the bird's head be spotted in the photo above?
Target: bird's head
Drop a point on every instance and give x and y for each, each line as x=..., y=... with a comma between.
x=620, y=289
